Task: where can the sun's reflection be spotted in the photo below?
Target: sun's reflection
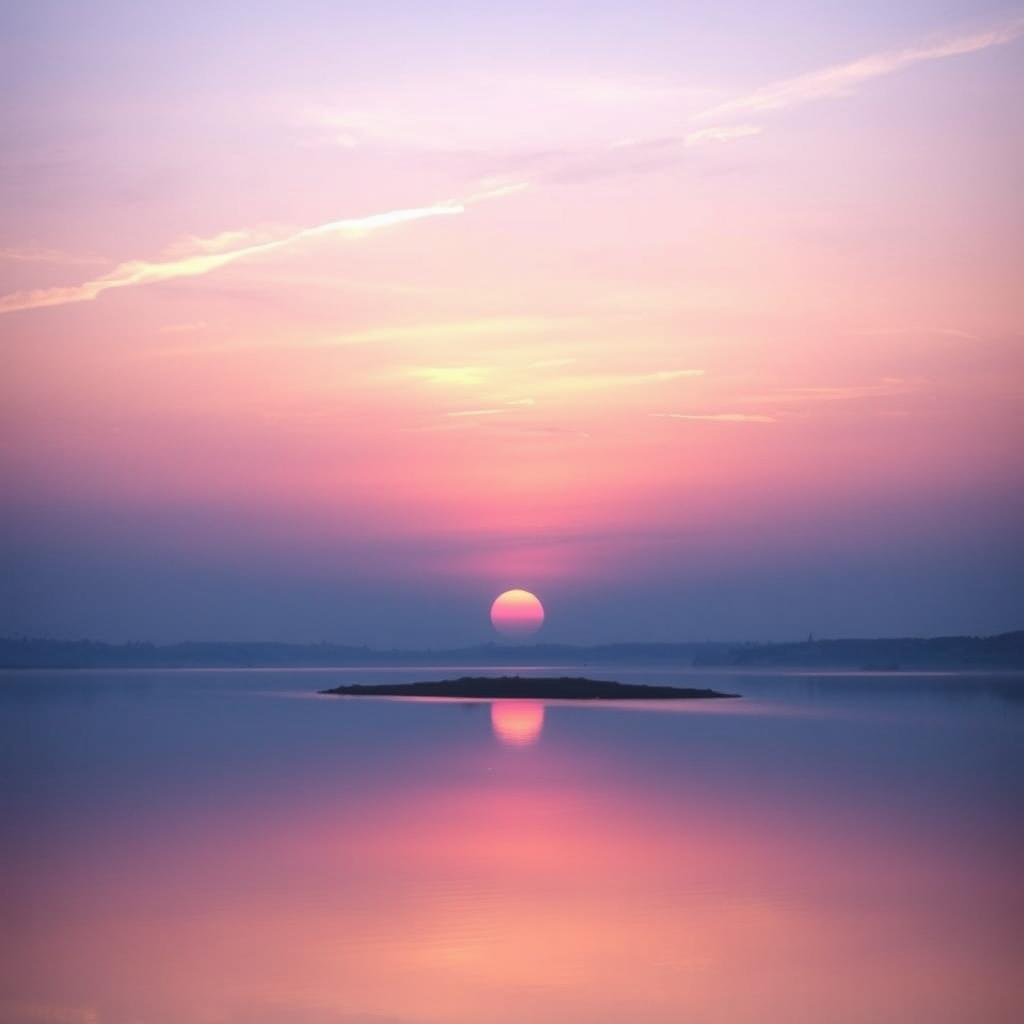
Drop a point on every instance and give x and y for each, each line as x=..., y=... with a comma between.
x=575, y=882
x=517, y=723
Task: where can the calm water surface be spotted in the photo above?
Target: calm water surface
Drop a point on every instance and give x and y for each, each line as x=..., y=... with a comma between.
x=224, y=847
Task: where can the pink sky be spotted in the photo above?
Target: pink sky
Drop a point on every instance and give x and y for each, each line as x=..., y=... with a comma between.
x=718, y=308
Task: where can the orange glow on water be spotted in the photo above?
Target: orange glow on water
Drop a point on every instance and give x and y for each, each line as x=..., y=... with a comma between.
x=531, y=881
x=517, y=723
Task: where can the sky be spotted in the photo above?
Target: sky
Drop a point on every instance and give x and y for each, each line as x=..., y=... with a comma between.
x=332, y=321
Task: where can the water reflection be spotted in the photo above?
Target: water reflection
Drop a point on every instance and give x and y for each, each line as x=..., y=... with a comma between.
x=181, y=859
x=517, y=723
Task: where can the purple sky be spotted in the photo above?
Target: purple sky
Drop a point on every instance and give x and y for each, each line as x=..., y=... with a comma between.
x=332, y=321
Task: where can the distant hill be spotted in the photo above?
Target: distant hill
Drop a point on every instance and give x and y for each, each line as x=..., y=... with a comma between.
x=24, y=652
x=1005, y=651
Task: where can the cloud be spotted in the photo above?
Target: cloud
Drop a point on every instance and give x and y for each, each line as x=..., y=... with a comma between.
x=668, y=374
x=721, y=133
x=476, y=412
x=227, y=241
x=494, y=188
x=208, y=255
x=886, y=387
x=458, y=329
x=612, y=380
x=641, y=155
x=843, y=79
x=456, y=111
x=140, y=272
x=42, y=254
x=449, y=375
x=715, y=417
x=651, y=154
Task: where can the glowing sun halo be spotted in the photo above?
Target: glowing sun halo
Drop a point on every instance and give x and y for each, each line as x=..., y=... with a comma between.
x=517, y=613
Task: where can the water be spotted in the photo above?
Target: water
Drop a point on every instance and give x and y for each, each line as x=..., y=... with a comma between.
x=224, y=847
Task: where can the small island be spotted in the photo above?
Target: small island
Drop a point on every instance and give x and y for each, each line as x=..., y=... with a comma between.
x=526, y=688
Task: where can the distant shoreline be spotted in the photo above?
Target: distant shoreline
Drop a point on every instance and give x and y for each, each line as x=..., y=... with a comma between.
x=527, y=688
x=1004, y=651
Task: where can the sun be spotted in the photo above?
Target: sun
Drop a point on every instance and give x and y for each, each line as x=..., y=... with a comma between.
x=517, y=613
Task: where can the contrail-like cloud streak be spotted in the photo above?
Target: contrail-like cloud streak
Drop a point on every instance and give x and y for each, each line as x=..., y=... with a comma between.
x=842, y=79
x=140, y=272
x=826, y=83
x=742, y=117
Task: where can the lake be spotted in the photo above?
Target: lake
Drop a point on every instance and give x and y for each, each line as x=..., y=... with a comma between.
x=226, y=847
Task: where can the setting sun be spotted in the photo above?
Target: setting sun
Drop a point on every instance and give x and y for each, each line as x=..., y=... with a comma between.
x=517, y=613
x=511, y=512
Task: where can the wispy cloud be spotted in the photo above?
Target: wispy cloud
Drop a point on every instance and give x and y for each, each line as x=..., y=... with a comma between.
x=721, y=133
x=715, y=417
x=207, y=255
x=510, y=405
x=43, y=254
x=459, y=376
x=611, y=380
x=725, y=122
x=843, y=79
x=458, y=329
x=667, y=375
x=226, y=241
x=141, y=272
x=886, y=387
x=494, y=188
x=642, y=155
x=456, y=111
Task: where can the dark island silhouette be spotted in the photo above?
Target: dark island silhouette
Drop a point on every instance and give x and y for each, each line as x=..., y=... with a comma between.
x=526, y=688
